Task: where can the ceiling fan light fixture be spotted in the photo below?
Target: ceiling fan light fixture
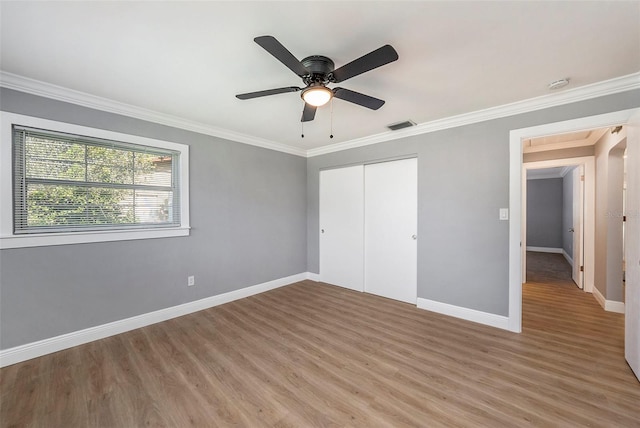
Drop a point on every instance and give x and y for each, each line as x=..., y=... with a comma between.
x=317, y=95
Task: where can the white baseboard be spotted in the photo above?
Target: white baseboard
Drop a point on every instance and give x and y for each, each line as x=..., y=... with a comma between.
x=599, y=297
x=608, y=305
x=566, y=256
x=545, y=250
x=613, y=306
x=480, y=317
x=313, y=276
x=54, y=344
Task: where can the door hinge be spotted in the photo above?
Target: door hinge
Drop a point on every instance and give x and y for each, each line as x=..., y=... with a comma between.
x=581, y=268
x=582, y=178
x=624, y=218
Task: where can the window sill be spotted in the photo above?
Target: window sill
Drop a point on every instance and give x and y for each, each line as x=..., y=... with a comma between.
x=47, y=239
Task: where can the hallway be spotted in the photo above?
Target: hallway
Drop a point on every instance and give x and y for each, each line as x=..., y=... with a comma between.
x=550, y=268
x=551, y=299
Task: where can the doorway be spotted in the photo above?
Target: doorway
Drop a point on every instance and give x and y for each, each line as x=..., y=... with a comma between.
x=516, y=259
x=564, y=223
x=554, y=224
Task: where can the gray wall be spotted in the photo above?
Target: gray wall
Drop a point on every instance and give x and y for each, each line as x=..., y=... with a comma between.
x=253, y=221
x=544, y=213
x=463, y=179
x=248, y=218
x=567, y=213
x=615, y=249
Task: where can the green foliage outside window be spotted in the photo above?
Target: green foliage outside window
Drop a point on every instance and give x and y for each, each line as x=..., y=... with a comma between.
x=106, y=179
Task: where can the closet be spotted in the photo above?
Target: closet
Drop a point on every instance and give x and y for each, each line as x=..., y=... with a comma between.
x=368, y=228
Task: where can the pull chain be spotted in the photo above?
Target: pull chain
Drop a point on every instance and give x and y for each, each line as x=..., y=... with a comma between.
x=331, y=134
x=302, y=129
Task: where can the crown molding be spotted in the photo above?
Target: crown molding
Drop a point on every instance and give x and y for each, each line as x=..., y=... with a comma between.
x=565, y=170
x=59, y=93
x=594, y=90
x=536, y=174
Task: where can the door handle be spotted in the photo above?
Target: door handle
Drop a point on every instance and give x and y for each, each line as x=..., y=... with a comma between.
x=414, y=237
x=571, y=229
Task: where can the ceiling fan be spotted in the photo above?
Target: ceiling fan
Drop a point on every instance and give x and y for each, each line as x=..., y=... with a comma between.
x=317, y=71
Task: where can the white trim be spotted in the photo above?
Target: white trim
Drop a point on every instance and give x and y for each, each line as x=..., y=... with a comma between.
x=544, y=175
x=594, y=90
x=492, y=320
x=313, y=276
x=614, y=306
x=545, y=250
x=9, y=240
x=69, y=340
x=515, y=194
x=608, y=305
x=567, y=257
x=41, y=239
x=599, y=297
x=515, y=238
x=565, y=170
x=59, y=93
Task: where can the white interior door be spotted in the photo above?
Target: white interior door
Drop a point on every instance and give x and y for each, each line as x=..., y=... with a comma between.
x=342, y=227
x=391, y=218
x=578, y=226
x=632, y=248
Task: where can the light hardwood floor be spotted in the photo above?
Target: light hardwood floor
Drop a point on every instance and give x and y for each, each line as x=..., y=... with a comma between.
x=311, y=354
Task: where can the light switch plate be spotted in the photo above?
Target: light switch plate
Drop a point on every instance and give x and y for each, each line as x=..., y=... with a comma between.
x=504, y=213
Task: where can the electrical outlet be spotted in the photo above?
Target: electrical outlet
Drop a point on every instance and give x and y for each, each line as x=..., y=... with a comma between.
x=191, y=280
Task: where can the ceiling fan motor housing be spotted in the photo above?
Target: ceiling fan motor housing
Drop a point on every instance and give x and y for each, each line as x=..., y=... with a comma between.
x=320, y=68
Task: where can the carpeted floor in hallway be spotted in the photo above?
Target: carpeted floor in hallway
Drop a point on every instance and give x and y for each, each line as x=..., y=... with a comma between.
x=548, y=268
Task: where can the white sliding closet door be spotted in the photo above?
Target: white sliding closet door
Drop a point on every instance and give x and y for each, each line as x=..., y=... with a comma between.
x=341, y=227
x=391, y=218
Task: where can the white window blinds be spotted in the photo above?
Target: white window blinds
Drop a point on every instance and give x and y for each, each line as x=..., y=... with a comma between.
x=65, y=183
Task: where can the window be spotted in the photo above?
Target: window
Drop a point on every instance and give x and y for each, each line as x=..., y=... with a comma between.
x=74, y=184
x=66, y=182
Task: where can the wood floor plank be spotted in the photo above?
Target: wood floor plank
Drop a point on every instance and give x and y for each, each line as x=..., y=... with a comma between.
x=311, y=354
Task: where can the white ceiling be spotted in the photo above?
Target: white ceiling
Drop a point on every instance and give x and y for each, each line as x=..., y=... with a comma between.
x=189, y=59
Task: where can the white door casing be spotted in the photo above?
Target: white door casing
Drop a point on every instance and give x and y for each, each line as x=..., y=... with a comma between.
x=341, y=227
x=515, y=198
x=391, y=214
x=578, y=227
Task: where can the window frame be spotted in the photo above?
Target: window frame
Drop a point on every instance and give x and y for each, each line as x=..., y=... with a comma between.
x=9, y=239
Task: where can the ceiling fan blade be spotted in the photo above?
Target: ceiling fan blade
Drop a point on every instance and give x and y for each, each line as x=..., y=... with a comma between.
x=275, y=48
x=374, y=59
x=257, y=94
x=308, y=113
x=358, y=98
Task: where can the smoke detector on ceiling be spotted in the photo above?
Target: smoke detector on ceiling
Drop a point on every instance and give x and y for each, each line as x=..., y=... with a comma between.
x=561, y=83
